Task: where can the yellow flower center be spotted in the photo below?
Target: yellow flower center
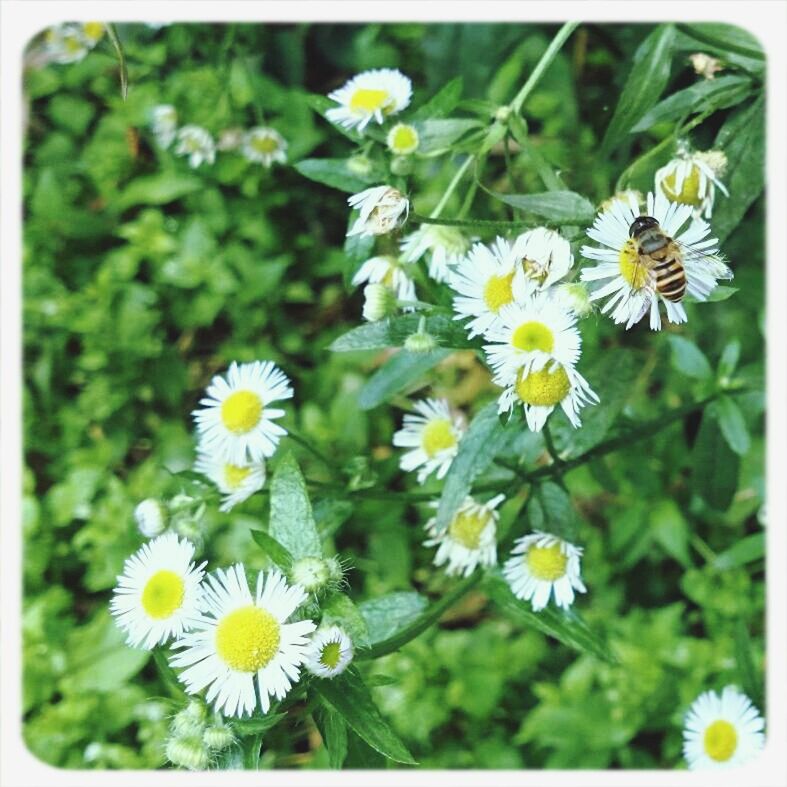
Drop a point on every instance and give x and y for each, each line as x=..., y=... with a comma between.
x=632, y=269
x=689, y=193
x=544, y=388
x=404, y=139
x=266, y=144
x=234, y=475
x=466, y=529
x=546, y=563
x=247, y=639
x=530, y=336
x=163, y=594
x=241, y=411
x=369, y=100
x=437, y=436
x=498, y=293
x=720, y=740
x=330, y=655
x=93, y=30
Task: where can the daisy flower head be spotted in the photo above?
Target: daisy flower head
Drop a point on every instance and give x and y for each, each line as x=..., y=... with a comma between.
x=151, y=517
x=432, y=435
x=370, y=95
x=264, y=146
x=164, y=124
x=235, y=482
x=627, y=283
x=380, y=210
x=402, y=139
x=691, y=178
x=196, y=143
x=487, y=280
x=92, y=32
x=543, y=565
x=545, y=256
x=66, y=44
x=386, y=270
x=236, y=423
x=242, y=636
x=330, y=653
x=445, y=247
x=158, y=594
x=469, y=540
x=722, y=730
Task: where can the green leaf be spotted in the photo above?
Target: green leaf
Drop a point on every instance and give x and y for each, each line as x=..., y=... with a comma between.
x=733, y=426
x=348, y=696
x=729, y=358
x=566, y=626
x=336, y=173
x=715, y=465
x=434, y=135
x=393, y=332
x=721, y=293
x=333, y=732
x=646, y=82
x=273, y=549
x=558, y=207
x=750, y=682
x=704, y=96
x=168, y=675
x=158, y=189
x=399, y=373
x=442, y=102
x=688, y=359
x=257, y=725
x=745, y=550
x=728, y=38
x=485, y=438
x=550, y=509
x=387, y=615
x=339, y=609
x=292, y=523
x=670, y=529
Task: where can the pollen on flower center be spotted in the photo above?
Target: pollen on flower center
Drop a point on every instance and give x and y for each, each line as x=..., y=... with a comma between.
x=535, y=270
x=533, y=335
x=369, y=100
x=498, y=292
x=163, y=594
x=720, y=740
x=265, y=144
x=241, y=411
x=546, y=563
x=248, y=638
x=437, y=436
x=544, y=388
x=631, y=268
x=235, y=475
x=467, y=528
x=689, y=193
x=330, y=655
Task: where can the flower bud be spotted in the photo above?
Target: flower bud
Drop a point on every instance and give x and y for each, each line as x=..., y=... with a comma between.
x=190, y=721
x=379, y=302
x=401, y=165
x=576, y=297
x=420, y=342
x=218, y=738
x=151, y=518
x=502, y=114
x=189, y=753
x=311, y=573
x=359, y=165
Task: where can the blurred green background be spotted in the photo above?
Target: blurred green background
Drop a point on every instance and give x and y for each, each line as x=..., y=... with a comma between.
x=142, y=278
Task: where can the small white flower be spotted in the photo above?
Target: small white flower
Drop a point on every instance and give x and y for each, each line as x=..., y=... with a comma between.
x=402, y=139
x=545, y=257
x=92, y=32
x=379, y=302
x=371, y=95
x=237, y=482
x=231, y=138
x=705, y=65
x=445, y=246
x=722, y=731
x=389, y=271
x=236, y=422
x=151, y=517
x=469, y=540
x=330, y=653
x=627, y=284
x=543, y=565
x=240, y=636
x=265, y=145
x=487, y=280
x=380, y=210
x=196, y=143
x=158, y=594
x=692, y=179
x=66, y=44
x=164, y=124
x=432, y=436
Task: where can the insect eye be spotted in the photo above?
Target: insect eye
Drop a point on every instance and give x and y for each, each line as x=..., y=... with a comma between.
x=640, y=224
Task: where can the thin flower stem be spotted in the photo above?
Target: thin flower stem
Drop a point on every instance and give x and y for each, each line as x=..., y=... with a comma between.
x=451, y=187
x=551, y=446
x=314, y=451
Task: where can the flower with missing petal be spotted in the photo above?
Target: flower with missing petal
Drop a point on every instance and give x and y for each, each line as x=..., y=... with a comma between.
x=235, y=482
x=387, y=270
x=381, y=209
x=444, y=247
x=691, y=178
x=545, y=257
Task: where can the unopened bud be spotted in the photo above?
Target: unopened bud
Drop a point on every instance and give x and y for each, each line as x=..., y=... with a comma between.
x=218, y=738
x=311, y=573
x=502, y=114
x=576, y=297
x=401, y=165
x=420, y=342
x=379, y=302
x=359, y=165
x=189, y=753
x=151, y=517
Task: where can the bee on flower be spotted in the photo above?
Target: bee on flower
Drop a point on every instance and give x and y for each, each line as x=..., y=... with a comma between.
x=381, y=209
x=545, y=257
x=196, y=143
x=264, y=146
x=691, y=178
x=235, y=482
x=370, y=95
x=445, y=248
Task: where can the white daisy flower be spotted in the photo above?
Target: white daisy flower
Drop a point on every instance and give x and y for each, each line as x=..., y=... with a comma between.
x=445, y=246
x=691, y=178
x=541, y=391
x=529, y=334
x=389, y=271
x=469, y=540
x=151, y=517
x=371, y=95
x=721, y=731
x=542, y=565
x=92, y=32
x=264, y=145
x=158, y=594
x=631, y=287
x=402, y=139
x=236, y=423
x=196, y=143
x=236, y=482
x=545, y=257
x=380, y=210
x=66, y=44
x=241, y=636
x=330, y=653
x=164, y=124
x=432, y=436
x=487, y=281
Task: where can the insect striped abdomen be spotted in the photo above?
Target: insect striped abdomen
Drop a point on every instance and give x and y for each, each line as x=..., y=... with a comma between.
x=671, y=279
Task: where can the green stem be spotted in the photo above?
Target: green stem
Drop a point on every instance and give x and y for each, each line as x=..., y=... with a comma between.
x=551, y=446
x=451, y=187
x=487, y=224
x=314, y=451
x=113, y=37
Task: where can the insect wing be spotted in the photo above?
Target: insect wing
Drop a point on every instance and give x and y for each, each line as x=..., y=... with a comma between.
x=716, y=264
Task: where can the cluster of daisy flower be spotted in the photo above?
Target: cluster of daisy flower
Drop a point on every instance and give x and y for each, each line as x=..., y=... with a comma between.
x=71, y=42
x=261, y=144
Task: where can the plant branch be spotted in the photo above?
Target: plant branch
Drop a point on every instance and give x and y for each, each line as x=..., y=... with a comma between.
x=451, y=187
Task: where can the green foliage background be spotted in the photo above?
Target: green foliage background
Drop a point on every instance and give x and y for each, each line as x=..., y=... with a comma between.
x=142, y=278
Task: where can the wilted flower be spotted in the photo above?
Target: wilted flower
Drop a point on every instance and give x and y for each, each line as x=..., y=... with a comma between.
x=380, y=210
